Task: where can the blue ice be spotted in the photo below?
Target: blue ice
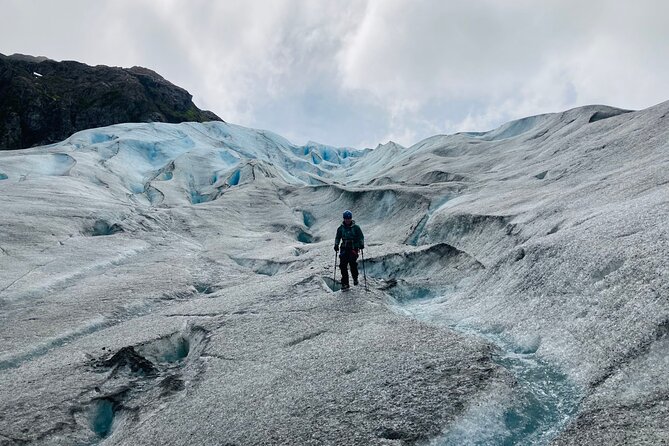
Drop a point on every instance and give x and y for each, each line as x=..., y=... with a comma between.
x=97, y=138
x=228, y=158
x=102, y=418
x=234, y=178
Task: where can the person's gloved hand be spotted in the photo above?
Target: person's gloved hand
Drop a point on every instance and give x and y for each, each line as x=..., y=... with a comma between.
x=336, y=248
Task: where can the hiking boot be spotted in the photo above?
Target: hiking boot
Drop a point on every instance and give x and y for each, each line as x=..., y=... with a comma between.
x=355, y=281
x=345, y=287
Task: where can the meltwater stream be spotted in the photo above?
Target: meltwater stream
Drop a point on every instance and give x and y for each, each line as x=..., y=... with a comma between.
x=543, y=401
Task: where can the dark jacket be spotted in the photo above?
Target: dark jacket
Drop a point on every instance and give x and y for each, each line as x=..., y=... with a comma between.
x=350, y=236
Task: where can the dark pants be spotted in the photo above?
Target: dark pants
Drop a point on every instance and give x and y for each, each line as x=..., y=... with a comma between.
x=348, y=257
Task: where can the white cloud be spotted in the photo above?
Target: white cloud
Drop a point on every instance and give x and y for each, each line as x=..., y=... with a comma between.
x=352, y=73
x=513, y=58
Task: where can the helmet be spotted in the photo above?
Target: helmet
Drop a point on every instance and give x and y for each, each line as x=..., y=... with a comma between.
x=348, y=214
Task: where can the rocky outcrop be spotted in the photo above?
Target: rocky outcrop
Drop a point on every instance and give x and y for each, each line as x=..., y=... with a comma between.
x=43, y=101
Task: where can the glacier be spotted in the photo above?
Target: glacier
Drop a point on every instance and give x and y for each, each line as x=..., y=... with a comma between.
x=173, y=283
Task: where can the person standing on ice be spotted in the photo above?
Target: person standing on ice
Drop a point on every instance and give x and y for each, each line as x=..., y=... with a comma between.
x=352, y=242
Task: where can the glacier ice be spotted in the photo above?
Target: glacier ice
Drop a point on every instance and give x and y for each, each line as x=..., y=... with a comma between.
x=202, y=252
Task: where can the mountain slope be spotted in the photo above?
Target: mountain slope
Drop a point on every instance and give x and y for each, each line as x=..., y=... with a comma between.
x=43, y=101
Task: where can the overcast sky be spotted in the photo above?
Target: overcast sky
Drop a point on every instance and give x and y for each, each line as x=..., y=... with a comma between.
x=358, y=73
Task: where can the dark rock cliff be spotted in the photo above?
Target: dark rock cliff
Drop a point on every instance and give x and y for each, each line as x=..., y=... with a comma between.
x=43, y=101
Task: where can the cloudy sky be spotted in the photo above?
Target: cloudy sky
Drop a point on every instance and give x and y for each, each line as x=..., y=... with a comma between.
x=360, y=72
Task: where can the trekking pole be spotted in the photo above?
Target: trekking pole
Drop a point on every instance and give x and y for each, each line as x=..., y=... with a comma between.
x=335, y=272
x=364, y=273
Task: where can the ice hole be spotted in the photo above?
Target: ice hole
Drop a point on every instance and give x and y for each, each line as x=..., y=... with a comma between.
x=168, y=349
x=179, y=351
x=198, y=198
x=102, y=227
x=305, y=237
x=234, y=178
x=204, y=288
x=330, y=282
x=405, y=292
x=308, y=218
x=102, y=417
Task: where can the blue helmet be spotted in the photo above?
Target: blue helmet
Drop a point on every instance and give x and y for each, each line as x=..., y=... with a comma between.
x=348, y=214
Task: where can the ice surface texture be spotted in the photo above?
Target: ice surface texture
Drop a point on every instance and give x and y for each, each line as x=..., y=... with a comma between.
x=157, y=277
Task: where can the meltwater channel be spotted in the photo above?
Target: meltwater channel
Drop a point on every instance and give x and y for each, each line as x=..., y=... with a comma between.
x=544, y=399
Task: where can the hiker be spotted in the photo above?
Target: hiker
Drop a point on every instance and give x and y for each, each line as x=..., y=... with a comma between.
x=352, y=242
